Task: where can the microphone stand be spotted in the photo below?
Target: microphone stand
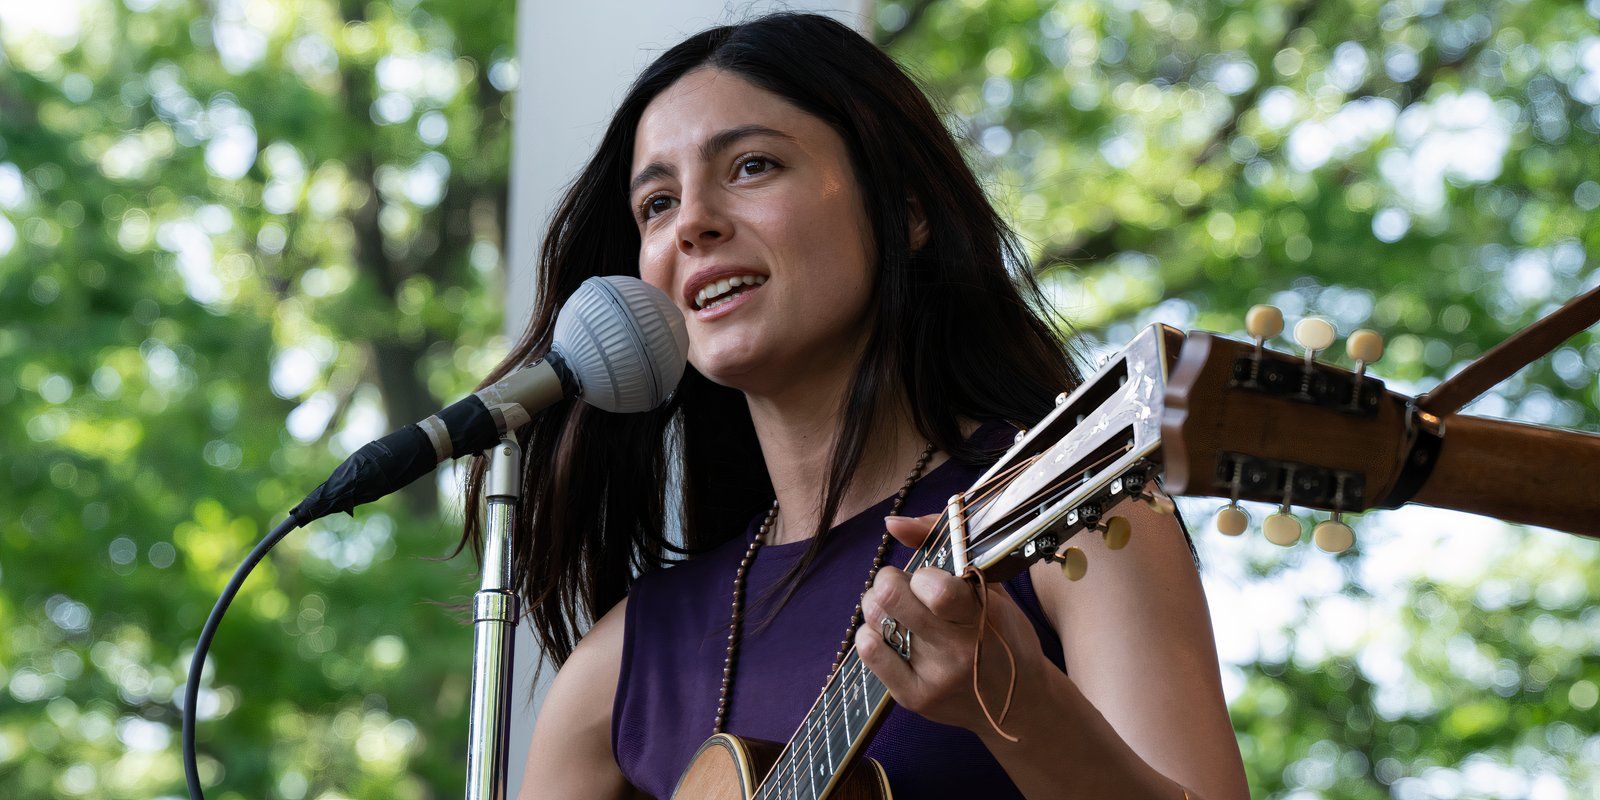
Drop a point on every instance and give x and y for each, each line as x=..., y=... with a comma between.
x=495, y=610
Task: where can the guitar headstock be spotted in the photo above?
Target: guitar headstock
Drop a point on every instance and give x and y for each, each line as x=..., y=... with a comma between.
x=1207, y=416
x=1245, y=422
x=1064, y=475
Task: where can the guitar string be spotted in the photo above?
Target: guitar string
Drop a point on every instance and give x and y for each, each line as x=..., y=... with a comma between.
x=783, y=776
x=937, y=539
x=778, y=774
x=987, y=490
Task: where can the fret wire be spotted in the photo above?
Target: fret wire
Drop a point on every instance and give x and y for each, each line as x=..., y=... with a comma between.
x=811, y=733
x=786, y=785
x=827, y=741
x=811, y=780
x=787, y=767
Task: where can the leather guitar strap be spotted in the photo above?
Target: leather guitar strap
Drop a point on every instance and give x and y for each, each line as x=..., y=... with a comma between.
x=1513, y=354
x=1427, y=421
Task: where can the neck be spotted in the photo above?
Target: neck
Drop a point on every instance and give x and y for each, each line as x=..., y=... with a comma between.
x=798, y=428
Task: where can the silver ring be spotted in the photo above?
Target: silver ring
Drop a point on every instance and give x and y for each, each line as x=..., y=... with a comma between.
x=898, y=639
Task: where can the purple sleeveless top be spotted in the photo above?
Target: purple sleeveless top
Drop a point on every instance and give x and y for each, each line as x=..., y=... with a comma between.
x=676, y=636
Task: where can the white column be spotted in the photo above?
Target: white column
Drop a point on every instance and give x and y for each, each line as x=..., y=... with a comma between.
x=576, y=61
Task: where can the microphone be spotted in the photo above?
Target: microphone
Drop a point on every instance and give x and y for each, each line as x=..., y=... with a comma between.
x=619, y=343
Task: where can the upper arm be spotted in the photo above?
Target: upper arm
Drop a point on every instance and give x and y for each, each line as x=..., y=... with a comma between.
x=1138, y=643
x=570, y=756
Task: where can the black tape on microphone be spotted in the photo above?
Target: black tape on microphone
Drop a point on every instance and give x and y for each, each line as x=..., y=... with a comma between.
x=384, y=466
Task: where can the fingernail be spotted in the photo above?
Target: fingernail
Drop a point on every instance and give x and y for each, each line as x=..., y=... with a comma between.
x=893, y=517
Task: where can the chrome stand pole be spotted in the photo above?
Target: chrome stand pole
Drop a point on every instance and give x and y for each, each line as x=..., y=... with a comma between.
x=494, y=624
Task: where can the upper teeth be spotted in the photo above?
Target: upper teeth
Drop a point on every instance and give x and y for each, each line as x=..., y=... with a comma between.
x=712, y=292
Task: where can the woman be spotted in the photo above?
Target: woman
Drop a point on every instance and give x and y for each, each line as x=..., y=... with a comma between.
x=850, y=317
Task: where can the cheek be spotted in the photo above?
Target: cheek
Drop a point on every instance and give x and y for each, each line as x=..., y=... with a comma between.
x=653, y=267
x=837, y=258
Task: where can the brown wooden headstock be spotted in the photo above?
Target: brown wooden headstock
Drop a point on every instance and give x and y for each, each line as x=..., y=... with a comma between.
x=1212, y=416
x=1245, y=422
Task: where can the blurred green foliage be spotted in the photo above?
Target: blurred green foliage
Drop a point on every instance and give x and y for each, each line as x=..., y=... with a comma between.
x=235, y=238
x=238, y=238
x=1424, y=168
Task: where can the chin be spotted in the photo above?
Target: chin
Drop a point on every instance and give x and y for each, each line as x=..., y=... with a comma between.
x=734, y=367
x=736, y=375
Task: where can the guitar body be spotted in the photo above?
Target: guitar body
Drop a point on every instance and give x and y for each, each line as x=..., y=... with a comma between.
x=728, y=767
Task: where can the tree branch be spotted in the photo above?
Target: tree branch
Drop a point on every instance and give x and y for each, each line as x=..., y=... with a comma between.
x=1100, y=245
x=405, y=396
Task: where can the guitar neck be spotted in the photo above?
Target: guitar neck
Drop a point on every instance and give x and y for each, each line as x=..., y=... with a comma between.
x=1518, y=473
x=840, y=722
x=834, y=732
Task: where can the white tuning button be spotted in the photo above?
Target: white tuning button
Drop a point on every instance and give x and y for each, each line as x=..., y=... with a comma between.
x=1282, y=529
x=1232, y=520
x=1263, y=322
x=1314, y=333
x=1333, y=536
x=1365, y=346
x=1074, y=563
x=1117, y=532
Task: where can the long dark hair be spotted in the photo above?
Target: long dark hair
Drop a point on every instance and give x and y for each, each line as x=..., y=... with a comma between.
x=959, y=327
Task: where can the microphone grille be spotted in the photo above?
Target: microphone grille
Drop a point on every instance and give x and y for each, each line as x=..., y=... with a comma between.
x=624, y=341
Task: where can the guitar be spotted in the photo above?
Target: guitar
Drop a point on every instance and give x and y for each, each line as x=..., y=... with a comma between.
x=1199, y=415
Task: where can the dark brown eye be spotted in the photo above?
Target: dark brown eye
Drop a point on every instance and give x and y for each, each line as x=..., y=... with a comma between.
x=655, y=205
x=761, y=165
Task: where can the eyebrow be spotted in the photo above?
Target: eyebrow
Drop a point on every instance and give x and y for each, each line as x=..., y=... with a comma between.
x=713, y=144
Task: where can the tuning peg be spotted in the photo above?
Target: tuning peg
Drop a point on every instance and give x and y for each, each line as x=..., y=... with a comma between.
x=1263, y=322
x=1160, y=503
x=1117, y=531
x=1314, y=334
x=1155, y=498
x=1141, y=487
x=1074, y=564
x=1282, y=528
x=1232, y=520
x=1365, y=346
x=1333, y=536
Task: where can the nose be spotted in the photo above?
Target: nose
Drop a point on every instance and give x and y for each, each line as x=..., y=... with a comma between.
x=701, y=225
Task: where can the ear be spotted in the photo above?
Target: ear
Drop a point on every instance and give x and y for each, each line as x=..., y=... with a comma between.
x=919, y=223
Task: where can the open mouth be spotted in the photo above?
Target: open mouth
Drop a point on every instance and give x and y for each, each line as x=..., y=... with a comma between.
x=725, y=290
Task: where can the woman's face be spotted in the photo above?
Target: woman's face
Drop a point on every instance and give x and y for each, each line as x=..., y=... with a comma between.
x=751, y=220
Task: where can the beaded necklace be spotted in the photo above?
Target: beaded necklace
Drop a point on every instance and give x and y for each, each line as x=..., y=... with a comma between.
x=737, y=616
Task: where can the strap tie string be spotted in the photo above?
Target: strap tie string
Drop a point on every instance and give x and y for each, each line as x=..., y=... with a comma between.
x=977, y=656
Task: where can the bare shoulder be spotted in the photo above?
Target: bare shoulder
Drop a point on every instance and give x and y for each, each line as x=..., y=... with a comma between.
x=602, y=645
x=570, y=755
x=1138, y=643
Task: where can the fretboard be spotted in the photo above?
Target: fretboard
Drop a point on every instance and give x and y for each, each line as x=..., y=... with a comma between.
x=834, y=731
x=836, y=728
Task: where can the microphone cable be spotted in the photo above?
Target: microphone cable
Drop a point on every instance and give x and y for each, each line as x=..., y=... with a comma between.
x=197, y=662
x=619, y=343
